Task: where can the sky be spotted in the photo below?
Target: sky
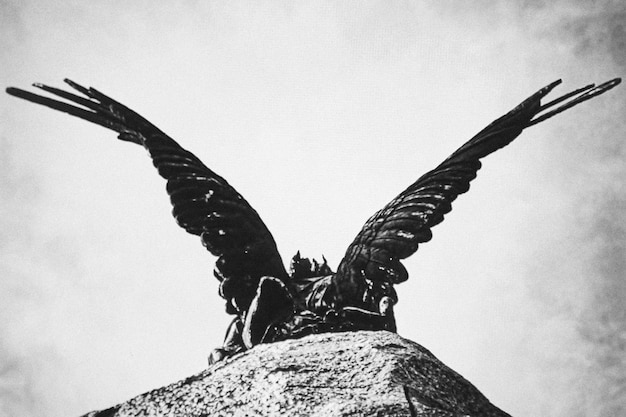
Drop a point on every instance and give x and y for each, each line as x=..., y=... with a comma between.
x=318, y=113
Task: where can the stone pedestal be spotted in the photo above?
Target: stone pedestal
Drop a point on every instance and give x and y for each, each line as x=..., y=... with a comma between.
x=333, y=374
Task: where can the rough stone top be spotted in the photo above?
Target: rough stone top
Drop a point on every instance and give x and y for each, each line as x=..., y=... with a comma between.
x=334, y=374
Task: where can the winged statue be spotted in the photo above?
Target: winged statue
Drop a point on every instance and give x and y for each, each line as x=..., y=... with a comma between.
x=269, y=302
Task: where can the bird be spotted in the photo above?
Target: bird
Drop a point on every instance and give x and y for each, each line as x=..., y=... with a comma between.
x=270, y=303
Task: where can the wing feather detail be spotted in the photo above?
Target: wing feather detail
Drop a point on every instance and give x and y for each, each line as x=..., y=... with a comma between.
x=395, y=232
x=204, y=204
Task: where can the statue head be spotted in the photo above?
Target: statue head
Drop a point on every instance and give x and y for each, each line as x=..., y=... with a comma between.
x=305, y=268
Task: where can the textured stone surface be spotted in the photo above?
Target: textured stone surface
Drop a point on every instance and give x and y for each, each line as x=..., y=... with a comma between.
x=333, y=374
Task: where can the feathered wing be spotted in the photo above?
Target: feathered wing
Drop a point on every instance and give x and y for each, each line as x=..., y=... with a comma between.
x=204, y=203
x=394, y=233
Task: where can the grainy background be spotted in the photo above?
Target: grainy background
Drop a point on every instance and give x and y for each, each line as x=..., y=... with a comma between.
x=318, y=113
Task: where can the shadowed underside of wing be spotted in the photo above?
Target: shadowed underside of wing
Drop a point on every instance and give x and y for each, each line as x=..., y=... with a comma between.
x=204, y=203
x=395, y=232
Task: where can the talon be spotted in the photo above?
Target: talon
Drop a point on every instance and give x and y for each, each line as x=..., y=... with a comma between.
x=217, y=355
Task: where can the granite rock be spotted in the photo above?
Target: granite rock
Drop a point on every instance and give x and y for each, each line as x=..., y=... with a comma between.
x=333, y=374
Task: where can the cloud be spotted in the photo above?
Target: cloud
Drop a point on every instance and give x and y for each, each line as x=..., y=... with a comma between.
x=338, y=107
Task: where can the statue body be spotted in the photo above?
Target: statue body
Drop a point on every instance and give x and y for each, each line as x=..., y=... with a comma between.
x=305, y=305
x=270, y=303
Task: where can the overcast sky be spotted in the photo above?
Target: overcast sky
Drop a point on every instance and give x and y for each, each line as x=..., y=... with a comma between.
x=318, y=113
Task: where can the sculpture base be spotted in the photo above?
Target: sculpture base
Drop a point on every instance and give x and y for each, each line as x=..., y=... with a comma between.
x=333, y=374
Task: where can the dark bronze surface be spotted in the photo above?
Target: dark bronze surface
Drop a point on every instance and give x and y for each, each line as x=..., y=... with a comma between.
x=269, y=303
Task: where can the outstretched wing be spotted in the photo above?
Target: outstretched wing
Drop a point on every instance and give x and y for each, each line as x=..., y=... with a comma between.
x=204, y=203
x=395, y=232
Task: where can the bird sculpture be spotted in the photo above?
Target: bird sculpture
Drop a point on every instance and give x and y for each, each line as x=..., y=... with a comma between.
x=268, y=302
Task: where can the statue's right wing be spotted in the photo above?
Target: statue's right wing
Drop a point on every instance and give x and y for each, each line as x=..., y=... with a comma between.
x=394, y=233
x=204, y=203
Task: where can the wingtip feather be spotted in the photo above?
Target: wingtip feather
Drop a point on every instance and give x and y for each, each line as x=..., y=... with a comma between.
x=555, y=83
x=612, y=83
x=18, y=92
x=545, y=90
x=76, y=86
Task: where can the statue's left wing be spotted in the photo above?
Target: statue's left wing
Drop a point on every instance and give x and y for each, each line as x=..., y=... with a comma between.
x=204, y=203
x=394, y=233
